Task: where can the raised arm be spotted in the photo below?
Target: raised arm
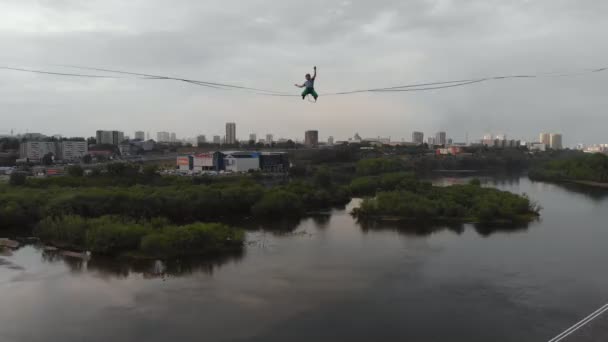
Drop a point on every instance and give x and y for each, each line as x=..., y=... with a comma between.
x=314, y=76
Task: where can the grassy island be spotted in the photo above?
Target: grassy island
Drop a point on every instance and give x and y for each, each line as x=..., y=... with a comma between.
x=415, y=200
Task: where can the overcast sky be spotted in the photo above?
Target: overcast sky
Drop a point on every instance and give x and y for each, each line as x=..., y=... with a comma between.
x=272, y=44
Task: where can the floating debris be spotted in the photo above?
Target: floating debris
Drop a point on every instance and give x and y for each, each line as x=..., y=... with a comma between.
x=81, y=255
x=9, y=243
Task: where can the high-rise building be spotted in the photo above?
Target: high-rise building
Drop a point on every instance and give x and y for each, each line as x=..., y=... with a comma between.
x=201, y=139
x=501, y=137
x=253, y=137
x=109, y=137
x=72, y=150
x=230, y=133
x=555, y=141
x=330, y=140
x=148, y=136
x=430, y=141
x=173, y=137
x=140, y=135
x=35, y=150
x=217, y=139
x=545, y=138
x=440, y=138
x=163, y=137
x=450, y=141
x=418, y=138
x=269, y=138
x=311, y=138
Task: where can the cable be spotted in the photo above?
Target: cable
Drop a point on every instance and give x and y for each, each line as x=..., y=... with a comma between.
x=59, y=73
x=225, y=86
x=221, y=85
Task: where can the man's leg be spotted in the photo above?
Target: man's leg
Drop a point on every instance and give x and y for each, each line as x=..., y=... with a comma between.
x=305, y=92
x=314, y=94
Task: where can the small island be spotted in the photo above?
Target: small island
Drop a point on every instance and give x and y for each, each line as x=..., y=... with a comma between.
x=420, y=201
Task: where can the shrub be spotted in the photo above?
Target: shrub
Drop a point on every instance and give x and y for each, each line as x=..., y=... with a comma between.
x=278, y=203
x=17, y=178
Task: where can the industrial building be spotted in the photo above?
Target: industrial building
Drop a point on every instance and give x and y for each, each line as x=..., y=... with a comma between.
x=242, y=161
x=234, y=161
x=274, y=162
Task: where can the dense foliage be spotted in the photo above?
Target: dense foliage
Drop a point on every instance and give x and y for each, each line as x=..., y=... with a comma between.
x=587, y=167
x=115, y=235
x=369, y=185
x=375, y=166
x=180, y=200
x=420, y=201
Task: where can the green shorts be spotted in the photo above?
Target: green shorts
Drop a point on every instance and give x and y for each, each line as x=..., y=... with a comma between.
x=310, y=91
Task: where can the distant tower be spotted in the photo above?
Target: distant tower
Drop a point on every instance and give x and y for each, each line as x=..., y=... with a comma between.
x=311, y=138
x=545, y=138
x=230, y=133
x=440, y=138
x=418, y=138
x=555, y=141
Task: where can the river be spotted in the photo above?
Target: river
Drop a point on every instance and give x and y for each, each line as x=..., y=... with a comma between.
x=331, y=279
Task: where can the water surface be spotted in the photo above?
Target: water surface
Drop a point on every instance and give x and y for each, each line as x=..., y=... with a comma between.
x=332, y=279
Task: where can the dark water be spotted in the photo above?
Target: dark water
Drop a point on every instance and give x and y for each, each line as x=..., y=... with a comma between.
x=332, y=279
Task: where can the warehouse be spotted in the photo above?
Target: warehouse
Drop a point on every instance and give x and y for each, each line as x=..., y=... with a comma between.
x=242, y=161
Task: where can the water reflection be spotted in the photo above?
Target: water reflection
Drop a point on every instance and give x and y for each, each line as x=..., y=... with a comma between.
x=125, y=267
x=409, y=228
x=594, y=193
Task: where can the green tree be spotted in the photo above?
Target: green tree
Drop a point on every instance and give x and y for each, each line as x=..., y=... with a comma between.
x=75, y=171
x=17, y=178
x=47, y=159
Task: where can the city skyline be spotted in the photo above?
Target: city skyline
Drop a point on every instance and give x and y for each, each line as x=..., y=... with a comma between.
x=173, y=137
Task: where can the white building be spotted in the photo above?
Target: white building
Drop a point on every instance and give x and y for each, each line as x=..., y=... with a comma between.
x=330, y=140
x=203, y=161
x=163, y=137
x=537, y=146
x=242, y=161
x=73, y=150
x=555, y=141
x=35, y=150
x=252, y=137
x=545, y=138
x=269, y=139
x=217, y=139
